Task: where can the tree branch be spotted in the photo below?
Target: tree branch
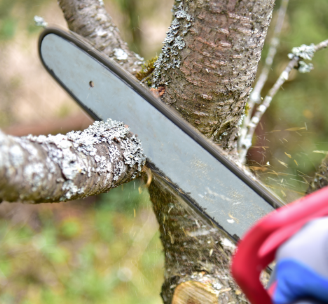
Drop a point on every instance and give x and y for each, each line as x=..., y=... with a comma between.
x=89, y=19
x=209, y=61
x=297, y=56
x=67, y=167
x=255, y=96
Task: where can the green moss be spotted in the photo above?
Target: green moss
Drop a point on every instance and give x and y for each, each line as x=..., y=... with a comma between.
x=246, y=108
x=147, y=68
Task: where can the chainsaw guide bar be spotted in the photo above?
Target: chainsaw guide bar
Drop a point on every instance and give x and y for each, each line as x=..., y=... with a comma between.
x=187, y=161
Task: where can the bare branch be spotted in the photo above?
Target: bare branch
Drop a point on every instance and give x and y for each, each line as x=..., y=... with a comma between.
x=89, y=19
x=303, y=52
x=71, y=166
x=321, y=45
x=255, y=96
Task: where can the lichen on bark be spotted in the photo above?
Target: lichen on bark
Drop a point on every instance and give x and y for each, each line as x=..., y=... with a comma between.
x=90, y=19
x=209, y=62
x=66, y=167
x=320, y=178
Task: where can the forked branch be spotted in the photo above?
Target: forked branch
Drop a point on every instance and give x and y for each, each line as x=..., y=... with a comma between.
x=255, y=96
x=297, y=56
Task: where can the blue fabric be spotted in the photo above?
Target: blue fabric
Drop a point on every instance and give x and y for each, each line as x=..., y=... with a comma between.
x=296, y=280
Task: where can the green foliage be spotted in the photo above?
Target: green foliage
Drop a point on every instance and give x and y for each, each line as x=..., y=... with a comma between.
x=18, y=13
x=7, y=28
x=109, y=253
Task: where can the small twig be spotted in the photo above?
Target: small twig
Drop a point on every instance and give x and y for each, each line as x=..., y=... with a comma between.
x=256, y=93
x=321, y=45
x=302, y=52
x=255, y=96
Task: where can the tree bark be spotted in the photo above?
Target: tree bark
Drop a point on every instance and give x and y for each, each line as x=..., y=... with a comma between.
x=197, y=253
x=67, y=167
x=90, y=19
x=207, y=66
x=209, y=61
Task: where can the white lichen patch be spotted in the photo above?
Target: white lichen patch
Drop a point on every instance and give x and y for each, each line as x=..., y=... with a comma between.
x=16, y=155
x=101, y=32
x=173, y=43
x=305, y=52
x=228, y=244
x=305, y=67
x=39, y=21
x=34, y=172
x=120, y=54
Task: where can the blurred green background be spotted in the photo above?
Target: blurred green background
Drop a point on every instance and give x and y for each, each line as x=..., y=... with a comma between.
x=106, y=249
x=103, y=250
x=293, y=134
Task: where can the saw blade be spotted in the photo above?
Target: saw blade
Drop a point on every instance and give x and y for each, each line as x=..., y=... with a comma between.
x=186, y=159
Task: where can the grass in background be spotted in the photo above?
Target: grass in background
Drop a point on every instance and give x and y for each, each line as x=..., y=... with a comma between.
x=107, y=253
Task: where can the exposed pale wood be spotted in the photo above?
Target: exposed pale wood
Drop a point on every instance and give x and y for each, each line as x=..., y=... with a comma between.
x=195, y=293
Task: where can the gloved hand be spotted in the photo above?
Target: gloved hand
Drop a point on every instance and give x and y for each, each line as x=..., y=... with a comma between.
x=301, y=270
x=296, y=237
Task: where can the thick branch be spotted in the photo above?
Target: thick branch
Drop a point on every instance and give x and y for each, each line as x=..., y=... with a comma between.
x=67, y=167
x=209, y=62
x=89, y=19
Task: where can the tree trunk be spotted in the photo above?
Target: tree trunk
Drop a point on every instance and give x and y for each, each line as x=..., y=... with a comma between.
x=197, y=253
